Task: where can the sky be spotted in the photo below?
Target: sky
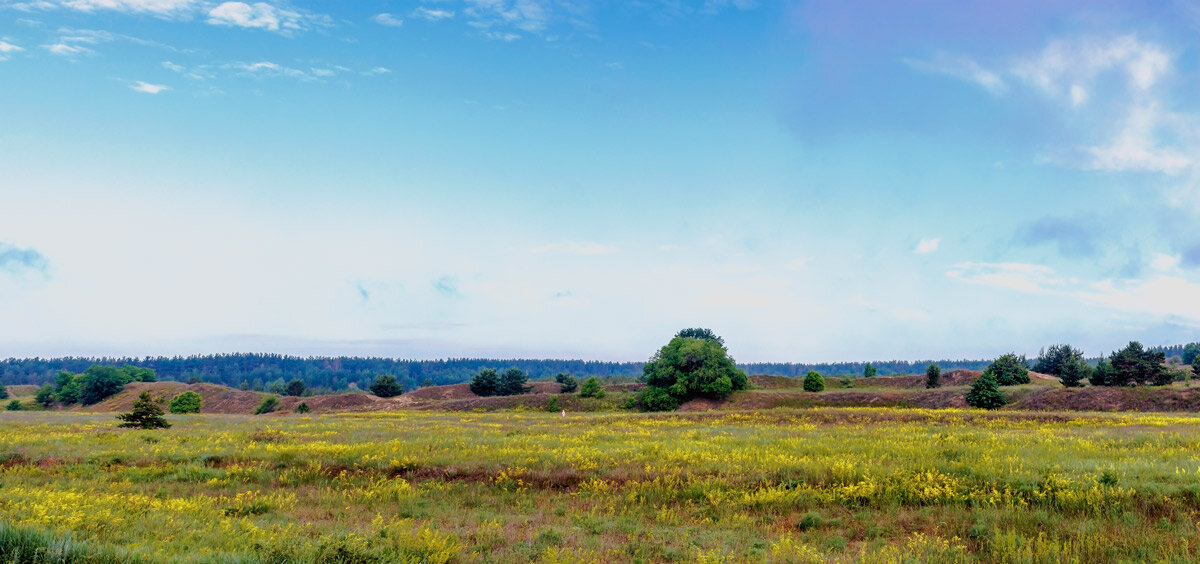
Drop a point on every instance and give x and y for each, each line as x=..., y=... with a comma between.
x=815, y=181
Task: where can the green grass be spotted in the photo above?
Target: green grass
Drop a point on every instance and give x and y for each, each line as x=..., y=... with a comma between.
x=814, y=485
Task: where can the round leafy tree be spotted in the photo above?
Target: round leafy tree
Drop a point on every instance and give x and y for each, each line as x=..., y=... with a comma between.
x=814, y=382
x=386, y=386
x=1009, y=370
x=933, y=376
x=694, y=364
x=985, y=393
x=145, y=415
x=187, y=402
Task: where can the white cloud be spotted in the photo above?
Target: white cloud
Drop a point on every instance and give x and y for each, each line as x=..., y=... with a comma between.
x=1135, y=147
x=388, y=20
x=377, y=71
x=1165, y=262
x=148, y=88
x=961, y=68
x=1029, y=278
x=927, y=245
x=432, y=15
x=7, y=48
x=172, y=66
x=66, y=50
x=259, y=15
x=160, y=8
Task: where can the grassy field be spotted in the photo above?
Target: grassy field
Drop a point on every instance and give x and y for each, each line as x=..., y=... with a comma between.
x=813, y=485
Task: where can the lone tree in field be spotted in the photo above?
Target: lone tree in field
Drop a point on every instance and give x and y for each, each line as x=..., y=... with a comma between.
x=694, y=364
x=1009, y=370
x=566, y=383
x=869, y=371
x=933, y=376
x=1075, y=372
x=145, y=415
x=187, y=402
x=486, y=383
x=512, y=383
x=1054, y=360
x=386, y=386
x=591, y=388
x=985, y=393
x=814, y=382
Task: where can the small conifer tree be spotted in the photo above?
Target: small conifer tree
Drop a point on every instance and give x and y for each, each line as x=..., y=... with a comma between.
x=145, y=415
x=302, y=408
x=1074, y=372
x=933, y=376
x=591, y=388
x=985, y=393
x=869, y=371
x=269, y=404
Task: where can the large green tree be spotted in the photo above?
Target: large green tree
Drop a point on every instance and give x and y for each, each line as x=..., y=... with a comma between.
x=1075, y=372
x=513, y=382
x=691, y=366
x=1136, y=365
x=985, y=393
x=386, y=386
x=933, y=376
x=486, y=382
x=1191, y=352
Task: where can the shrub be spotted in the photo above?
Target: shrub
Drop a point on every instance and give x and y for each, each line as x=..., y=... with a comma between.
x=1191, y=352
x=658, y=399
x=145, y=415
x=295, y=388
x=553, y=404
x=186, y=402
x=813, y=382
x=45, y=396
x=1075, y=372
x=694, y=363
x=985, y=393
x=3, y=392
x=567, y=383
x=13, y=405
x=486, y=383
x=1009, y=370
x=269, y=404
x=869, y=371
x=302, y=408
x=1102, y=375
x=386, y=386
x=591, y=388
x=933, y=376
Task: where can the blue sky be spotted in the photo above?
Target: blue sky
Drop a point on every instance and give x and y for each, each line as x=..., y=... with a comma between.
x=815, y=181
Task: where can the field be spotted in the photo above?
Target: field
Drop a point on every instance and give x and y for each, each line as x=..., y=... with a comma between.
x=784, y=485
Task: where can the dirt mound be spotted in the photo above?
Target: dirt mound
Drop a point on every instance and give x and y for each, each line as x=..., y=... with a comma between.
x=702, y=404
x=1110, y=399
x=463, y=391
x=936, y=398
x=769, y=382
x=222, y=399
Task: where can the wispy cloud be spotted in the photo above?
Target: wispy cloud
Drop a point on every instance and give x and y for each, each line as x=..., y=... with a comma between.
x=1029, y=278
x=388, y=20
x=432, y=15
x=576, y=248
x=7, y=49
x=961, y=68
x=262, y=15
x=927, y=245
x=147, y=88
x=68, y=50
x=160, y=8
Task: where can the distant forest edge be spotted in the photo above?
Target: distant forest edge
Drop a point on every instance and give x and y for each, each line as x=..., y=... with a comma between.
x=260, y=371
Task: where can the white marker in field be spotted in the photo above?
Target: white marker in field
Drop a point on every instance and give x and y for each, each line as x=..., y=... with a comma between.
x=564, y=413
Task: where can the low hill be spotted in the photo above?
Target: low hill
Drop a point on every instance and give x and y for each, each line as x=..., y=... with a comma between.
x=222, y=399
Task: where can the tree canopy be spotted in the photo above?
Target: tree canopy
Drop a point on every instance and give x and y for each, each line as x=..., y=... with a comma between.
x=1009, y=370
x=1055, y=360
x=1133, y=365
x=689, y=367
x=186, y=402
x=386, y=386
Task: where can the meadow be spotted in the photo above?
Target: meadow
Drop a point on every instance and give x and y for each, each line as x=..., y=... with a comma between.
x=785, y=485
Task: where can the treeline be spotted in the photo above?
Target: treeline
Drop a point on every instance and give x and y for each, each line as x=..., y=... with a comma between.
x=267, y=371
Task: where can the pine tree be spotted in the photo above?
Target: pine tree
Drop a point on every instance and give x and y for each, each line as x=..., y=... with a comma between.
x=1074, y=372
x=985, y=393
x=591, y=389
x=814, y=382
x=933, y=376
x=869, y=371
x=145, y=415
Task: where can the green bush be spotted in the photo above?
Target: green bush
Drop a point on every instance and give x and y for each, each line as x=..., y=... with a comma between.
x=985, y=393
x=933, y=376
x=45, y=396
x=1009, y=370
x=13, y=405
x=553, y=404
x=658, y=399
x=269, y=404
x=813, y=382
x=302, y=408
x=295, y=388
x=386, y=386
x=3, y=392
x=869, y=371
x=512, y=383
x=591, y=388
x=186, y=402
